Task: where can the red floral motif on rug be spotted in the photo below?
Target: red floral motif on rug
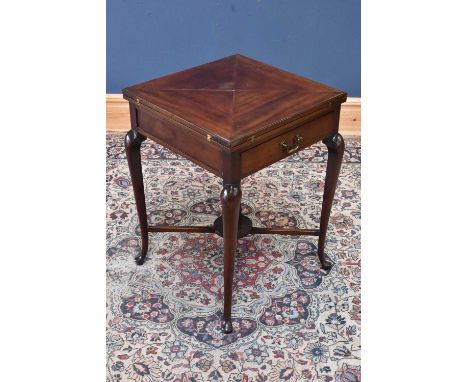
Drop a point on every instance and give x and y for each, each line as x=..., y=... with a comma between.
x=200, y=262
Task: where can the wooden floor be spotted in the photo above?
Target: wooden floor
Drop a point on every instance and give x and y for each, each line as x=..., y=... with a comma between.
x=118, y=118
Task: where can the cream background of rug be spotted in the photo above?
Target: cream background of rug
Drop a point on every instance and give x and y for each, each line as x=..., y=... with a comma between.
x=118, y=118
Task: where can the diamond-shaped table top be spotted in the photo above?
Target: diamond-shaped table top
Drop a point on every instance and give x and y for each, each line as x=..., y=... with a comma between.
x=234, y=98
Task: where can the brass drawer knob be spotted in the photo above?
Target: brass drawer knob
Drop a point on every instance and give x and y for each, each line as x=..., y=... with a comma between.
x=297, y=140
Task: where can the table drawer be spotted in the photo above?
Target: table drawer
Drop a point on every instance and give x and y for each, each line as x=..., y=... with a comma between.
x=182, y=140
x=286, y=144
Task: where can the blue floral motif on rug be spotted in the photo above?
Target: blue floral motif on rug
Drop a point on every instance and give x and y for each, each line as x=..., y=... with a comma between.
x=292, y=320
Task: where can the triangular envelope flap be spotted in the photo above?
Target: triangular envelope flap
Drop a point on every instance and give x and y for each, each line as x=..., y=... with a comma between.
x=255, y=75
x=260, y=108
x=202, y=108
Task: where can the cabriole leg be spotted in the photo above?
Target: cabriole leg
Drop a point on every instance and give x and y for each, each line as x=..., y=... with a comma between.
x=335, y=145
x=133, y=141
x=230, y=200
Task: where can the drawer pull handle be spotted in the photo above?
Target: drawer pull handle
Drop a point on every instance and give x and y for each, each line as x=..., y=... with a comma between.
x=297, y=141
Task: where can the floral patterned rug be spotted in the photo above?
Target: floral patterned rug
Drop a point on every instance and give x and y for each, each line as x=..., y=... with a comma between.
x=292, y=320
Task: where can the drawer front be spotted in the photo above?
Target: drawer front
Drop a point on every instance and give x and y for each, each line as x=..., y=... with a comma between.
x=286, y=144
x=182, y=140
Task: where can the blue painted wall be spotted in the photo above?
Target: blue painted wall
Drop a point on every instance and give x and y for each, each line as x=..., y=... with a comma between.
x=319, y=39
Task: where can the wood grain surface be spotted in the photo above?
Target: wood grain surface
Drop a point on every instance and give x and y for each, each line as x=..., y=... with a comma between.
x=118, y=116
x=234, y=99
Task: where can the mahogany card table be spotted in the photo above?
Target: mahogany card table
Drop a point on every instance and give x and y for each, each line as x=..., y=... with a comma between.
x=233, y=117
